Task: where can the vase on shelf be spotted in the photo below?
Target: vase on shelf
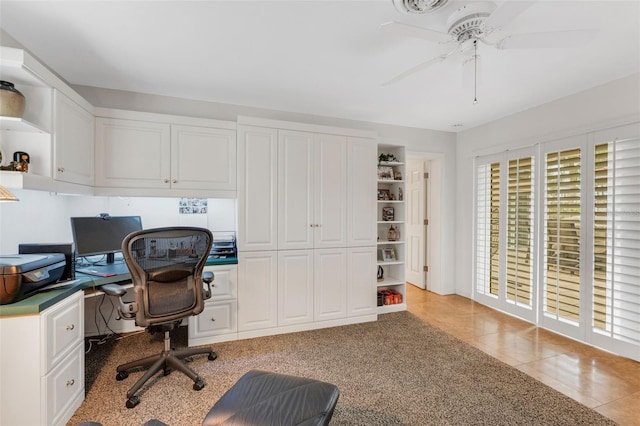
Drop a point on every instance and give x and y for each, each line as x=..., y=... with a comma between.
x=12, y=102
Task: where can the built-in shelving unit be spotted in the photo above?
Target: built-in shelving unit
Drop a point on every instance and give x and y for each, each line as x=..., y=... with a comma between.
x=391, y=228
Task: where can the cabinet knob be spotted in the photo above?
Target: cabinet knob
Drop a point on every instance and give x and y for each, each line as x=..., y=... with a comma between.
x=175, y=181
x=71, y=382
x=166, y=181
x=61, y=169
x=71, y=327
x=213, y=319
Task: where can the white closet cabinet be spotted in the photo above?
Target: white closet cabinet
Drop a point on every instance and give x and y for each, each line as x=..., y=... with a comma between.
x=257, y=291
x=330, y=284
x=73, y=141
x=160, y=152
x=361, y=278
x=295, y=287
x=258, y=188
x=361, y=187
x=312, y=190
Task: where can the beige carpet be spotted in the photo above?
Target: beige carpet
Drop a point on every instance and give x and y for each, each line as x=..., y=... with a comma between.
x=396, y=371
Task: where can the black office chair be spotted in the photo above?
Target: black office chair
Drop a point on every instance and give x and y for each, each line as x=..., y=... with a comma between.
x=166, y=266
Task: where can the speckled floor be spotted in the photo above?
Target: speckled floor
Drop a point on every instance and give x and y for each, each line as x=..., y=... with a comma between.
x=396, y=371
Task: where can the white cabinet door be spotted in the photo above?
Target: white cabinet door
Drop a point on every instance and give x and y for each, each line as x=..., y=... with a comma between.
x=73, y=141
x=361, y=189
x=361, y=278
x=295, y=190
x=330, y=284
x=203, y=158
x=257, y=290
x=257, y=188
x=295, y=287
x=132, y=154
x=330, y=191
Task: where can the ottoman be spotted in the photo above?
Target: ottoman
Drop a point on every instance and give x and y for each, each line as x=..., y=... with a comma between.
x=263, y=398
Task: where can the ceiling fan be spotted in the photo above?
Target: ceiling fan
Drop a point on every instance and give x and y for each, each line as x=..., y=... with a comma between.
x=478, y=23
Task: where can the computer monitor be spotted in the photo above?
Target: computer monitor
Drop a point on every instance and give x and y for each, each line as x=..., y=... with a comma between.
x=102, y=234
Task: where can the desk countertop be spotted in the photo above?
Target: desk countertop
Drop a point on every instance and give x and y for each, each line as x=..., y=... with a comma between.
x=40, y=301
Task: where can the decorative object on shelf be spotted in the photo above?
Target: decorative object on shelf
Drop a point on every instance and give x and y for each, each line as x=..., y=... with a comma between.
x=393, y=234
x=387, y=214
x=380, y=274
x=388, y=254
x=21, y=161
x=384, y=194
x=6, y=195
x=397, y=175
x=400, y=194
x=387, y=158
x=385, y=173
x=3, y=158
x=12, y=102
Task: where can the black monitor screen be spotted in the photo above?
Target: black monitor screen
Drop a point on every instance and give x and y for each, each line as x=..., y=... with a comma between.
x=102, y=235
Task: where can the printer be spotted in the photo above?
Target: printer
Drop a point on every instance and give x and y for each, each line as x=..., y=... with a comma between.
x=22, y=275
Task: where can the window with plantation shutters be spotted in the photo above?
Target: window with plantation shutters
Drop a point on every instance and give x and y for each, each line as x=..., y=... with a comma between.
x=561, y=273
x=616, y=240
x=487, y=228
x=520, y=227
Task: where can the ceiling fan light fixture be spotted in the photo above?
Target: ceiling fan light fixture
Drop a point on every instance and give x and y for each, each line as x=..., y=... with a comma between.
x=418, y=6
x=468, y=21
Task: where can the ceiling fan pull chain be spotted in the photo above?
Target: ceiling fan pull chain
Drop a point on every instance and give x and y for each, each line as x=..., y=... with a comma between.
x=475, y=72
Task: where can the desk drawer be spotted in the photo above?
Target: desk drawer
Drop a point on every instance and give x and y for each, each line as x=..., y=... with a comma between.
x=64, y=386
x=224, y=282
x=217, y=318
x=63, y=329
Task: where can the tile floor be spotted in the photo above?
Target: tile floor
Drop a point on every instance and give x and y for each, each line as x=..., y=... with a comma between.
x=607, y=383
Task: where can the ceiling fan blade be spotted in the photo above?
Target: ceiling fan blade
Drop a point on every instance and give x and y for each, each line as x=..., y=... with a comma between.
x=506, y=12
x=419, y=67
x=397, y=28
x=555, y=39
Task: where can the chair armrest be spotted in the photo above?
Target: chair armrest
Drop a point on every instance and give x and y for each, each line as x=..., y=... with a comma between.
x=126, y=310
x=207, y=278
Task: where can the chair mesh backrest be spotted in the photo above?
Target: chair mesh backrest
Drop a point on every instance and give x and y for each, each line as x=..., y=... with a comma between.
x=166, y=267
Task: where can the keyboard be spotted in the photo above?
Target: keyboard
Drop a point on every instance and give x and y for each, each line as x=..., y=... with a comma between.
x=95, y=273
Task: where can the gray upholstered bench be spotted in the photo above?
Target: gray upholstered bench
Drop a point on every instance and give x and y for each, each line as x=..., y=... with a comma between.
x=263, y=398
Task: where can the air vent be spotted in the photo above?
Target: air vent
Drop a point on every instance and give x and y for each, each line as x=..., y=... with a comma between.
x=418, y=6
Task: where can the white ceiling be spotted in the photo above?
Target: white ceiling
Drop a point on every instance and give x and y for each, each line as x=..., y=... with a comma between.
x=321, y=57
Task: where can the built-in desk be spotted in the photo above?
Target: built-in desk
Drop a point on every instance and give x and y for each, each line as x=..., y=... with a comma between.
x=42, y=349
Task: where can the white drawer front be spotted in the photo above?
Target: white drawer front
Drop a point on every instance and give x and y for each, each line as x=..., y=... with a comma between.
x=64, y=387
x=217, y=318
x=63, y=329
x=224, y=282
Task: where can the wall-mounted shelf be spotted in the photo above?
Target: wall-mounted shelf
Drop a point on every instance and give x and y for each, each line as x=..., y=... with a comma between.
x=20, y=125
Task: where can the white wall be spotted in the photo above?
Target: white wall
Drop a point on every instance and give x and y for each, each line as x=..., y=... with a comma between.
x=41, y=217
x=608, y=105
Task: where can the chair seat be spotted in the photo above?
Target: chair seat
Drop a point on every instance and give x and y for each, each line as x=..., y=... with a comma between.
x=263, y=398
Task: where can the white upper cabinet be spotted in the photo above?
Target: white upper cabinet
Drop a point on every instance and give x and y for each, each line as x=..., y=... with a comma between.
x=154, y=154
x=312, y=192
x=73, y=141
x=203, y=158
x=257, y=188
x=132, y=154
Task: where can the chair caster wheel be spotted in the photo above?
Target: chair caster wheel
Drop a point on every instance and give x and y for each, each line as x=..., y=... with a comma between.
x=166, y=371
x=198, y=385
x=213, y=356
x=133, y=401
x=121, y=376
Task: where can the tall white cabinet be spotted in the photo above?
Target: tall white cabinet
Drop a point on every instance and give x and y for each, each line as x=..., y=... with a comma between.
x=306, y=227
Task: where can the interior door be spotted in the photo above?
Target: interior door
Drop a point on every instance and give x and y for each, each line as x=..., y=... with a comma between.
x=416, y=223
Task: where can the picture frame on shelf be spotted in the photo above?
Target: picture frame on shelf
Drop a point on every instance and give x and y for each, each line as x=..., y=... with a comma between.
x=388, y=254
x=388, y=214
x=384, y=194
x=385, y=173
